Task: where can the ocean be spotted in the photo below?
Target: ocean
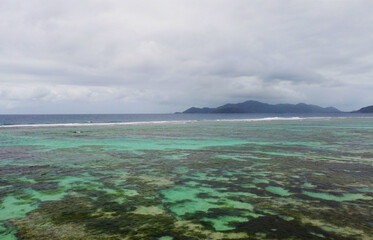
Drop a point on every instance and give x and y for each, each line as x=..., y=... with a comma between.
x=186, y=176
x=92, y=119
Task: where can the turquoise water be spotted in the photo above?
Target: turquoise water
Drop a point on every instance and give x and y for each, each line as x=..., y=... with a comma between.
x=295, y=179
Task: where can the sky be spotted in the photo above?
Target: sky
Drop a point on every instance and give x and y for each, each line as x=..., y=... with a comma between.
x=136, y=56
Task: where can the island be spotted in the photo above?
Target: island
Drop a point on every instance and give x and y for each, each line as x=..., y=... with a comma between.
x=368, y=109
x=259, y=107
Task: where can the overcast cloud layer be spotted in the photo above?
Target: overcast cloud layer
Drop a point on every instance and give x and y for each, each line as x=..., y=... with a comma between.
x=109, y=56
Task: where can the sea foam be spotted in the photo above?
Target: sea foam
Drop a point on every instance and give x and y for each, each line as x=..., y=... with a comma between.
x=164, y=122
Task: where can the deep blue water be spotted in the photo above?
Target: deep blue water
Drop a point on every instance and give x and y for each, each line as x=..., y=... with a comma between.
x=118, y=118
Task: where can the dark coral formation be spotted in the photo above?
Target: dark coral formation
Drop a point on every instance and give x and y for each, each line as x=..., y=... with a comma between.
x=273, y=180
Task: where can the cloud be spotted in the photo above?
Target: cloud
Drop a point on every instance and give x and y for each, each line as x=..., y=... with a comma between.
x=164, y=56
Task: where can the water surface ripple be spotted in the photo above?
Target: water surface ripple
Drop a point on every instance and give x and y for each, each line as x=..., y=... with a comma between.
x=233, y=179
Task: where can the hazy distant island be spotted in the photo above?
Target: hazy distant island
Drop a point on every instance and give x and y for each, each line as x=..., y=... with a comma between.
x=368, y=109
x=252, y=106
x=259, y=107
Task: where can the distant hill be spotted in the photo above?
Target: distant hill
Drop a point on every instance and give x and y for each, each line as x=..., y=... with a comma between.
x=259, y=107
x=368, y=109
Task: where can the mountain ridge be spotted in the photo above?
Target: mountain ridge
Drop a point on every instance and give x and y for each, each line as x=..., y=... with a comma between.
x=252, y=106
x=368, y=109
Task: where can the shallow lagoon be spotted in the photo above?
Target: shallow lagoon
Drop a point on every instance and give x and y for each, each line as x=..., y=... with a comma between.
x=296, y=179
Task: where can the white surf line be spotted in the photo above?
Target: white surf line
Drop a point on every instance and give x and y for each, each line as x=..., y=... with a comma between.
x=176, y=122
x=94, y=124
